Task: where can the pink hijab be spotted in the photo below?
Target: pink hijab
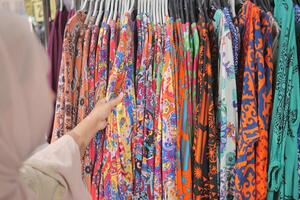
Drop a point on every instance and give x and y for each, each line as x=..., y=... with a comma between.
x=25, y=102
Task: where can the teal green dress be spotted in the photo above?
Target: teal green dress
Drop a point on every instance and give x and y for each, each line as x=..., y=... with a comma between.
x=283, y=162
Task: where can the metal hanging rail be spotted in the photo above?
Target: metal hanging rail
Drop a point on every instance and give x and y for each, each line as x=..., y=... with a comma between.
x=46, y=10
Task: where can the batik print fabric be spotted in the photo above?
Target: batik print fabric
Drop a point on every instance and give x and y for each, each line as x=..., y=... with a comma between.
x=227, y=119
x=64, y=90
x=282, y=171
x=256, y=101
x=138, y=139
x=119, y=175
x=83, y=100
x=185, y=116
x=204, y=149
x=265, y=100
x=148, y=143
x=101, y=74
x=297, y=19
x=181, y=91
x=195, y=43
x=91, y=103
x=157, y=68
x=168, y=115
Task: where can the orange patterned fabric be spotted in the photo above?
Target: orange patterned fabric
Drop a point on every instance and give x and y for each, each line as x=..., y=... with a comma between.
x=255, y=103
x=205, y=170
x=64, y=117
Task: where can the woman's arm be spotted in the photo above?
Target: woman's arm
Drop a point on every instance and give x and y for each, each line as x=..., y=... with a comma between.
x=95, y=121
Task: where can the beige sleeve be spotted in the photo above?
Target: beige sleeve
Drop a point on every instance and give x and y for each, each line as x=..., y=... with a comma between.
x=55, y=172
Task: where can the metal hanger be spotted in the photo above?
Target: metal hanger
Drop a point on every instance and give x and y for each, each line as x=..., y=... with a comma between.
x=73, y=4
x=122, y=7
x=107, y=9
x=100, y=12
x=269, y=5
x=160, y=7
x=144, y=6
x=149, y=7
x=126, y=2
x=166, y=8
x=139, y=7
x=200, y=9
x=150, y=11
x=91, y=6
x=111, y=10
x=96, y=7
x=192, y=10
x=85, y=5
x=203, y=8
x=154, y=11
x=132, y=6
x=186, y=11
x=158, y=13
x=177, y=10
x=180, y=10
x=61, y=5
x=116, y=10
x=171, y=9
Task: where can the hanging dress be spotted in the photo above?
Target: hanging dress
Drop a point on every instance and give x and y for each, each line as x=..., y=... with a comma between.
x=255, y=73
x=121, y=123
x=168, y=114
x=148, y=151
x=227, y=107
x=282, y=171
x=140, y=103
x=204, y=149
x=91, y=104
x=101, y=79
x=65, y=85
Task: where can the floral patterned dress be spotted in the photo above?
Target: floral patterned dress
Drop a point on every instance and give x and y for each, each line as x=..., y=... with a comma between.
x=67, y=76
x=118, y=174
x=227, y=117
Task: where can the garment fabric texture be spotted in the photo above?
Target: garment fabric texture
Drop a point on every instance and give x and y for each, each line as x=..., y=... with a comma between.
x=255, y=110
x=297, y=21
x=55, y=48
x=122, y=125
x=227, y=107
x=204, y=147
x=66, y=99
x=285, y=115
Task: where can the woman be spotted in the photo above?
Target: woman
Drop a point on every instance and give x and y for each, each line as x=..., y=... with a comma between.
x=25, y=111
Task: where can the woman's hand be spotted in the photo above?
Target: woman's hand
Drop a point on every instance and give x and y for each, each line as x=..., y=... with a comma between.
x=103, y=109
x=95, y=121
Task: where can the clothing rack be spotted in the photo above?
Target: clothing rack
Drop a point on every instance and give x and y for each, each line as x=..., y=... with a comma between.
x=204, y=86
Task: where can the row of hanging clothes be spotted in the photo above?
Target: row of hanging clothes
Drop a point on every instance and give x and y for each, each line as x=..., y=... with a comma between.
x=64, y=11
x=211, y=97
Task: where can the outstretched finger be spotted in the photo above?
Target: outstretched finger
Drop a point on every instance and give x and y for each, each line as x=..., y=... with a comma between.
x=112, y=103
